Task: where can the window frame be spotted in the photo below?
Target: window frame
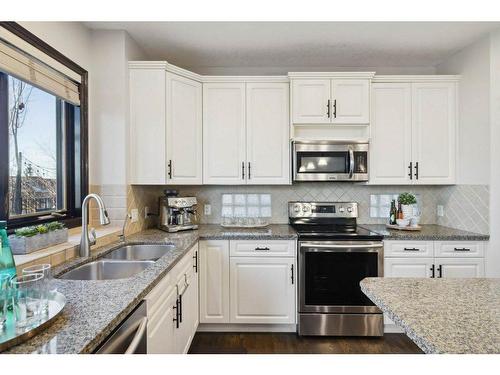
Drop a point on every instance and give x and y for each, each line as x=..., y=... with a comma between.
x=73, y=214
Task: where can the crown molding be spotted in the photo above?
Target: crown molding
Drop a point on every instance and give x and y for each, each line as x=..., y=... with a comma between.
x=416, y=78
x=343, y=75
x=164, y=65
x=282, y=79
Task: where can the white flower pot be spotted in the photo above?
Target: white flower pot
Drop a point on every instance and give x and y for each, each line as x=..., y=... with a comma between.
x=408, y=210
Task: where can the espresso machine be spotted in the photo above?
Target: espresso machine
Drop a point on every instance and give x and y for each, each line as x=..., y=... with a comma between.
x=177, y=213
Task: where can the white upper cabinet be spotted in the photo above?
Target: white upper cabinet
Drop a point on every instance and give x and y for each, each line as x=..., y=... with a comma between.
x=331, y=98
x=413, y=131
x=224, y=151
x=184, y=131
x=246, y=133
x=267, y=114
x=434, y=120
x=350, y=103
x=147, y=160
x=165, y=126
x=390, y=144
x=311, y=100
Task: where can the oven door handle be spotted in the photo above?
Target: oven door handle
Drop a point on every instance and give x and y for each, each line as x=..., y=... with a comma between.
x=340, y=246
x=351, y=162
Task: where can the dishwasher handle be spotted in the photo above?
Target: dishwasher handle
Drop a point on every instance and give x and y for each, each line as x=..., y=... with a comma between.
x=341, y=246
x=138, y=337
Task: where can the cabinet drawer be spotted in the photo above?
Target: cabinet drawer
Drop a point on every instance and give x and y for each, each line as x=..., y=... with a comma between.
x=408, y=249
x=275, y=248
x=460, y=249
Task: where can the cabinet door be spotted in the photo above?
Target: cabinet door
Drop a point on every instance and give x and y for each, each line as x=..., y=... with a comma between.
x=268, y=155
x=262, y=290
x=186, y=285
x=147, y=157
x=161, y=329
x=310, y=101
x=224, y=138
x=434, y=121
x=184, y=131
x=408, y=267
x=214, y=281
x=460, y=267
x=350, y=101
x=390, y=143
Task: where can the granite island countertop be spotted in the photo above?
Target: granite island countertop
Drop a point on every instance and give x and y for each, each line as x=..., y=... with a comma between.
x=95, y=308
x=429, y=232
x=442, y=315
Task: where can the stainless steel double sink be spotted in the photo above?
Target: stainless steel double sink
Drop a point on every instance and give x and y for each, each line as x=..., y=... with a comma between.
x=120, y=263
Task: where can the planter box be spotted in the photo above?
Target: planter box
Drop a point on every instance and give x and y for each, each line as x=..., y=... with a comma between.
x=26, y=245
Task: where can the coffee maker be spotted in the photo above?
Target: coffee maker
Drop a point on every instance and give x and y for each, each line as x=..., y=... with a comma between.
x=177, y=213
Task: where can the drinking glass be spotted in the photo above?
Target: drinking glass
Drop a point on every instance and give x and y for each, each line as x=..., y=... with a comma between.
x=47, y=284
x=4, y=297
x=27, y=296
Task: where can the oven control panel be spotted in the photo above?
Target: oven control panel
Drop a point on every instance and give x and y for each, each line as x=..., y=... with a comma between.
x=323, y=209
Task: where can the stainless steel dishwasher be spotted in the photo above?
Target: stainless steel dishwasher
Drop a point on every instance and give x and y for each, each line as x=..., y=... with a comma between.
x=131, y=335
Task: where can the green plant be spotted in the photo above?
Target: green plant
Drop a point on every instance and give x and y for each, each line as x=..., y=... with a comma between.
x=39, y=229
x=407, y=198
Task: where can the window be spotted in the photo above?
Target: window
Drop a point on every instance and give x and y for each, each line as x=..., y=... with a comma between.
x=43, y=166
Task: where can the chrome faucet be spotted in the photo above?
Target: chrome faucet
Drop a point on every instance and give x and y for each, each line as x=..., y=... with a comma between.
x=87, y=241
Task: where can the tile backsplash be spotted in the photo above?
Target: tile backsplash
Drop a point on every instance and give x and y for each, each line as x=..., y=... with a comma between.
x=458, y=201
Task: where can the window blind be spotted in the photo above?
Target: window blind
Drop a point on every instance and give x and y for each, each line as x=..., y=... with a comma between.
x=31, y=70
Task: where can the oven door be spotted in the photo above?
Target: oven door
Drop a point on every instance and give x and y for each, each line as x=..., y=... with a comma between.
x=328, y=161
x=330, y=272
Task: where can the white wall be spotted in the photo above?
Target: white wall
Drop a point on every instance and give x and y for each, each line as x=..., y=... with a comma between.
x=493, y=253
x=473, y=64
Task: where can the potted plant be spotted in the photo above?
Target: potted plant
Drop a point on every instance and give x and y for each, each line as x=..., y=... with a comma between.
x=28, y=239
x=408, y=202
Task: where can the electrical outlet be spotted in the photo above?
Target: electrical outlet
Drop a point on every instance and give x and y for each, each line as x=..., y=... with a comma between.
x=440, y=210
x=207, y=209
x=146, y=212
x=134, y=215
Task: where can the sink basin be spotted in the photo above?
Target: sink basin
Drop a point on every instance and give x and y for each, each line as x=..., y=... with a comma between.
x=107, y=269
x=140, y=252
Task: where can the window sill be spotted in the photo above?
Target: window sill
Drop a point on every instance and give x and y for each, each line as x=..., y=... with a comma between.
x=61, y=253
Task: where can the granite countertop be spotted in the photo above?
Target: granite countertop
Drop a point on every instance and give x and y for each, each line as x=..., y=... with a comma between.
x=95, y=308
x=442, y=315
x=273, y=231
x=429, y=232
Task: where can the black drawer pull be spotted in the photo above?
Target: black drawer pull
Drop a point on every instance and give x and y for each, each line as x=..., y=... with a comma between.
x=262, y=249
x=411, y=249
x=461, y=249
x=433, y=270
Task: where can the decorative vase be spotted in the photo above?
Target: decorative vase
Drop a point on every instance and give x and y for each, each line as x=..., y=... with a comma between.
x=408, y=210
x=26, y=245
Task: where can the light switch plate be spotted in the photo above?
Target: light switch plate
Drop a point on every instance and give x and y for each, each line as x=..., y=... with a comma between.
x=134, y=215
x=440, y=210
x=207, y=209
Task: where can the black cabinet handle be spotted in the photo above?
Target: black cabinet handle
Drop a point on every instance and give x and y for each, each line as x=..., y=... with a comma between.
x=180, y=308
x=262, y=249
x=433, y=271
x=242, y=170
x=195, y=257
x=328, y=108
x=176, y=318
x=335, y=108
x=410, y=173
x=170, y=169
x=411, y=249
x=292, y=274
x=249, y=173
x=440, y=271
x=416, y=170
x=461, y=249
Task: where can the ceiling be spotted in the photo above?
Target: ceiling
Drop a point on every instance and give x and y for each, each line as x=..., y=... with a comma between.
x=201, y=45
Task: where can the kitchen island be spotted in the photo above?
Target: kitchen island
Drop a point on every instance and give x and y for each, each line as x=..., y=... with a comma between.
x=442, y=315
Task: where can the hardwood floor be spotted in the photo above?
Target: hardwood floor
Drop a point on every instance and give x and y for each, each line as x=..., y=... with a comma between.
x=291, y=343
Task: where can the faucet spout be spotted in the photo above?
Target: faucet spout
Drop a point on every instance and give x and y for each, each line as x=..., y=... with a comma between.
x=86, y=241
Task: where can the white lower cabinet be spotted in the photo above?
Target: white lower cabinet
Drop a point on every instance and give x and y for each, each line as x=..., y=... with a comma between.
x=408, y=267
x=173, y=308
x=248, y=282
x=262, y=290
x=459, y=267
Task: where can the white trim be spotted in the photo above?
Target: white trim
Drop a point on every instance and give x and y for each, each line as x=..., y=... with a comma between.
x=279, y=79
x=415, y=78
x=183, y=72
x=343, y=75
x=165, y=66
x=216, y=327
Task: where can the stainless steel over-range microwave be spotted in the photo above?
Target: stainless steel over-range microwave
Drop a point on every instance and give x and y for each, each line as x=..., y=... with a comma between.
x=330, y=161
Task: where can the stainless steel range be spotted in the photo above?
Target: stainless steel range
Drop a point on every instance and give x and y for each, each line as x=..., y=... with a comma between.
x=334, y=255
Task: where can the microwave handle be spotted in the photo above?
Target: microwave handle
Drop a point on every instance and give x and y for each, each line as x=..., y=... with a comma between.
x=351, y=162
